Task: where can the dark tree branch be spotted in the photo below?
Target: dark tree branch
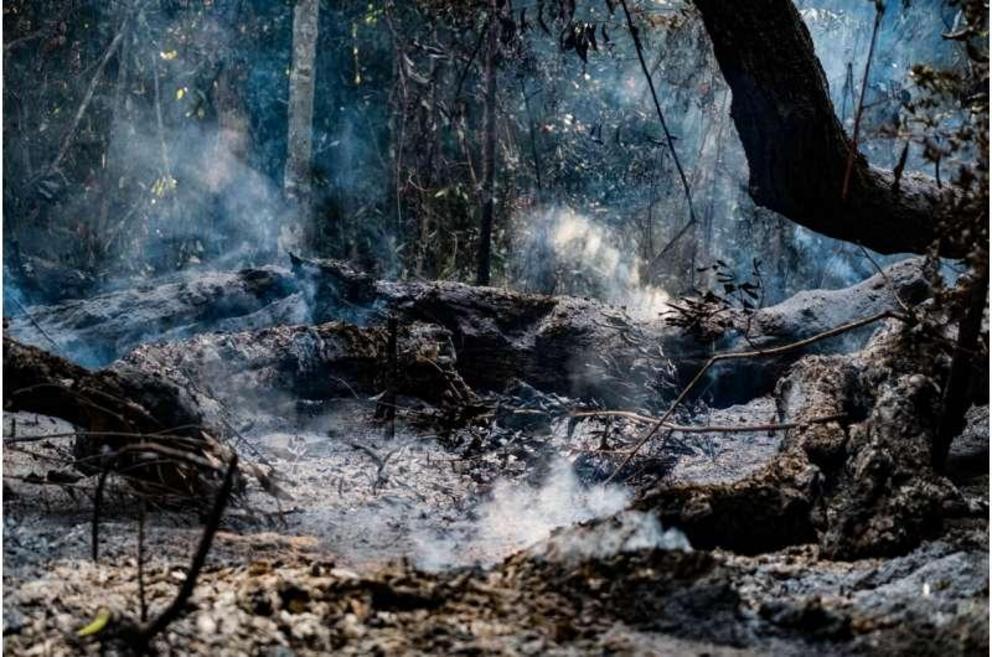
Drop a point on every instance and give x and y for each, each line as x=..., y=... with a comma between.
x=178, y=606
x=796, y=148
x=661, y=118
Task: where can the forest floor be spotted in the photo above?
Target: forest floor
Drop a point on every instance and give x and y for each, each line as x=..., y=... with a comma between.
x=482, y=522
x=402, y=546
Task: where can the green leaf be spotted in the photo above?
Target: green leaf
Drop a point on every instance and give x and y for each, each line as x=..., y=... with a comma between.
x=98, y=624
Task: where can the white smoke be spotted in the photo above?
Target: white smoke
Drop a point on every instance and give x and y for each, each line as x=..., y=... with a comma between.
x=519, y=516
x=565, y=252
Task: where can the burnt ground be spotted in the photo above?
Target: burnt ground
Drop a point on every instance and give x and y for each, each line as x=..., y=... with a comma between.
x=415, y=544
x=479, y=522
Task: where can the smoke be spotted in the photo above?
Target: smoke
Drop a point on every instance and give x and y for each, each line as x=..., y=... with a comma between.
x=216, y=205
x=518, y=516
x=201, y=187
x=562, y=251
x=626, y=531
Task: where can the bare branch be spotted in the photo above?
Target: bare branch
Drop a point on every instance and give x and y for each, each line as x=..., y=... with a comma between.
x=773, y=351
x=178, y=605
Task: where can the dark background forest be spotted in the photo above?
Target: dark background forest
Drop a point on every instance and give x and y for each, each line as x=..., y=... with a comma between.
x=148, y=138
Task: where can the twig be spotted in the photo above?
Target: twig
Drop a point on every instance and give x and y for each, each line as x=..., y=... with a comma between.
x=773, y=351
x=142, y=601
x=475, y=51
x=885, y=279
x=44, y=31
x=534, y=153
x=682, y=231
x=97, y=503
x=720, y=428
x=87, y=98
x=104, y=434
x=225, y=416
x=178, y=605
x=853, y=152
x=387, y=411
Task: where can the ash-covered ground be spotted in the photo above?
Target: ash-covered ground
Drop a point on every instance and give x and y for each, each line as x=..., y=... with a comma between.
x=502, y=533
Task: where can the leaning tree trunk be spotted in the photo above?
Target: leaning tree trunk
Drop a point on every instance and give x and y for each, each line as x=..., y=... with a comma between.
x=489, y=150
x=796, y=148
x=297, y=177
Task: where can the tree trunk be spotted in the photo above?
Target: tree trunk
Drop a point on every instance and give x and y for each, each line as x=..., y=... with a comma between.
x=796, y=148
x=587, y=350
x=489, y=150
x=297, y=177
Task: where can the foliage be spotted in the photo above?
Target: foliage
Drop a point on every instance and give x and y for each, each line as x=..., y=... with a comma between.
x=190, y=175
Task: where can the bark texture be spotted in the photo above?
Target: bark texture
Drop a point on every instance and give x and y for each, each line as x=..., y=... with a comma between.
x=297, y=180
x=863, y=487
x=797, y=150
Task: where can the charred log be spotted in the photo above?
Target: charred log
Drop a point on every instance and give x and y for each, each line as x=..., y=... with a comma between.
x=864, y=487
x=307, y=365
x=567, y=345
x=130, y=421
x=97, y=330
x=586, y=349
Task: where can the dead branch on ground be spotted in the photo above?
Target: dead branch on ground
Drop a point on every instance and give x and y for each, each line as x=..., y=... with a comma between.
x=758, y=353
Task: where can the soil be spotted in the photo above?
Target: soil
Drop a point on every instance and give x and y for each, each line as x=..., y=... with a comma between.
x=469, y=509
x=409, y=559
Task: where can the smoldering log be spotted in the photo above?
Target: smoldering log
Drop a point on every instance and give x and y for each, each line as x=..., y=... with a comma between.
x=304, y=365
x=572, y=346
x=99, y=329
x=586, y=349
x=861, y=487
x=173, y=395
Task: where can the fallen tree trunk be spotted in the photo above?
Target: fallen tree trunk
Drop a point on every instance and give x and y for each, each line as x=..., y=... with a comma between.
x=796, y=148
x=97, y=330
x=589, y=350
x=172, y=398
x=301, y=366
x=576, y=347
x=131, y=422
